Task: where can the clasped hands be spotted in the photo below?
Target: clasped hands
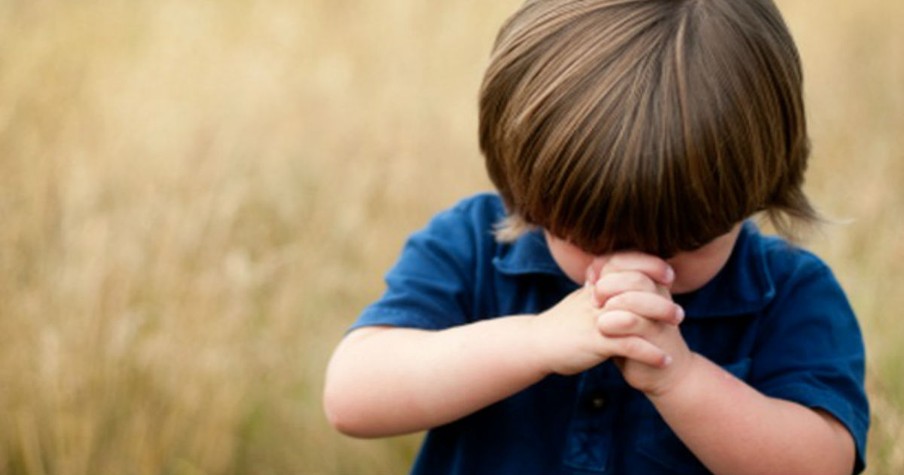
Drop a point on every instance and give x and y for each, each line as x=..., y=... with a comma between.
x=624, y=311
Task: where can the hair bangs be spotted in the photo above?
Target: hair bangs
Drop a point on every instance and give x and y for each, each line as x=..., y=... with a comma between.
x=656, y=130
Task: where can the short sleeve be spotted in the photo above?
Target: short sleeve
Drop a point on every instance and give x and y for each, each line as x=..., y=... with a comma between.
x=812, y=351
x=431, y=285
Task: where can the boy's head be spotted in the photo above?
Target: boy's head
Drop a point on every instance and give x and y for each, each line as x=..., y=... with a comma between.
x=655, y=125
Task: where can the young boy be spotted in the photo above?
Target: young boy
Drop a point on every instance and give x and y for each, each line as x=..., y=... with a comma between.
x=613, y=310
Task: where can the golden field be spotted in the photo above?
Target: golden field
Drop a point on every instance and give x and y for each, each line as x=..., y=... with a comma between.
x=197, y=197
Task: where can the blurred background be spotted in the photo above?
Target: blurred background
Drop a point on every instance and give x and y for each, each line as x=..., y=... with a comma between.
x=198, y=197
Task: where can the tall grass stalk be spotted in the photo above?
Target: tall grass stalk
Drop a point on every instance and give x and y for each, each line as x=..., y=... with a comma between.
x=196, y=198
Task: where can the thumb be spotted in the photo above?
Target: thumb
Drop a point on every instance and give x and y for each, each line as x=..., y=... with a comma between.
x=592, y=275
x=595, y=269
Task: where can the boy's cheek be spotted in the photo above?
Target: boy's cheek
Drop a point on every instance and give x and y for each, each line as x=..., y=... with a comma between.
x=571, y=260
x=576, y=270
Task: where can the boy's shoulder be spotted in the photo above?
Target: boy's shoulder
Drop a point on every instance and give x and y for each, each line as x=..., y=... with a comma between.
x=474, y=217
x=464, y=228
x=761, y=269
x=468, y=229
x=483, y=206
x=784, y=259
x=788, y=271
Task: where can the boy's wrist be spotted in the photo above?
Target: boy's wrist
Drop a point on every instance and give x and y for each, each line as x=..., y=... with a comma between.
x=681, y=374
x=536, y=336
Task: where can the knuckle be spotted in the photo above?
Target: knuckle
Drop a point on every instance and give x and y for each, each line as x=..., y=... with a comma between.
x=618, y=322
x=662, y=309
x=640, y=281
x=606, y=287
x=632, y=345
x=633, y=278
x=624, y=321
x=628, y=322
x=617, y=302
x=614, y=262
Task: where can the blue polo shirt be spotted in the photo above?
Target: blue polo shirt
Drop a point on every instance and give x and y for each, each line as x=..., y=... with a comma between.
x=774, y=316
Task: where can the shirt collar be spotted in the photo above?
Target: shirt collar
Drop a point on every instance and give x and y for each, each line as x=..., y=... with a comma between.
x=743, y=286
x=527, y=255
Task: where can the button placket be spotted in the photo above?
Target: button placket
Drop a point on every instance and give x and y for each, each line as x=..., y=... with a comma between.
x=590, y=437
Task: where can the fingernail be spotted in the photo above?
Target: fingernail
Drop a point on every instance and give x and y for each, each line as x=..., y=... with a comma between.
x=667, y=360
x=679, y=313
x=669, y=275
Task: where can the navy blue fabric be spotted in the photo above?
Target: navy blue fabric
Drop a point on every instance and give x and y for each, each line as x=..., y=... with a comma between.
x=774, y=316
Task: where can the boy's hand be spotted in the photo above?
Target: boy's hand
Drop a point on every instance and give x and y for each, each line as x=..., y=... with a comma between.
x=655, y=274
x=633, y=290
x=567, y=339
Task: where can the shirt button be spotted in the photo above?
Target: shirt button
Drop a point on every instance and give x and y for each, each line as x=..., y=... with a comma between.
x=597, y=402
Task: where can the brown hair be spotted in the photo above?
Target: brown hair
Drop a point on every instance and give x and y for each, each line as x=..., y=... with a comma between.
x=648, y=124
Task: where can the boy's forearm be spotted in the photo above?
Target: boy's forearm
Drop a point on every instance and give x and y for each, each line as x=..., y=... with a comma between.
x=389, y=381
x=734, y=429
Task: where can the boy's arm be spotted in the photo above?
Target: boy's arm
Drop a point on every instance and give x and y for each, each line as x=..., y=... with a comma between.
x=735, y=429
x=386, y=381
x=729, y=425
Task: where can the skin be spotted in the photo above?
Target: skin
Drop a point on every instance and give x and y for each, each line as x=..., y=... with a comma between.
x=625, y=311
x=691, y=270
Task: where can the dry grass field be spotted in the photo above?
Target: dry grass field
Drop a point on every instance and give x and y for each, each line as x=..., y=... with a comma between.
x=197, y=197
